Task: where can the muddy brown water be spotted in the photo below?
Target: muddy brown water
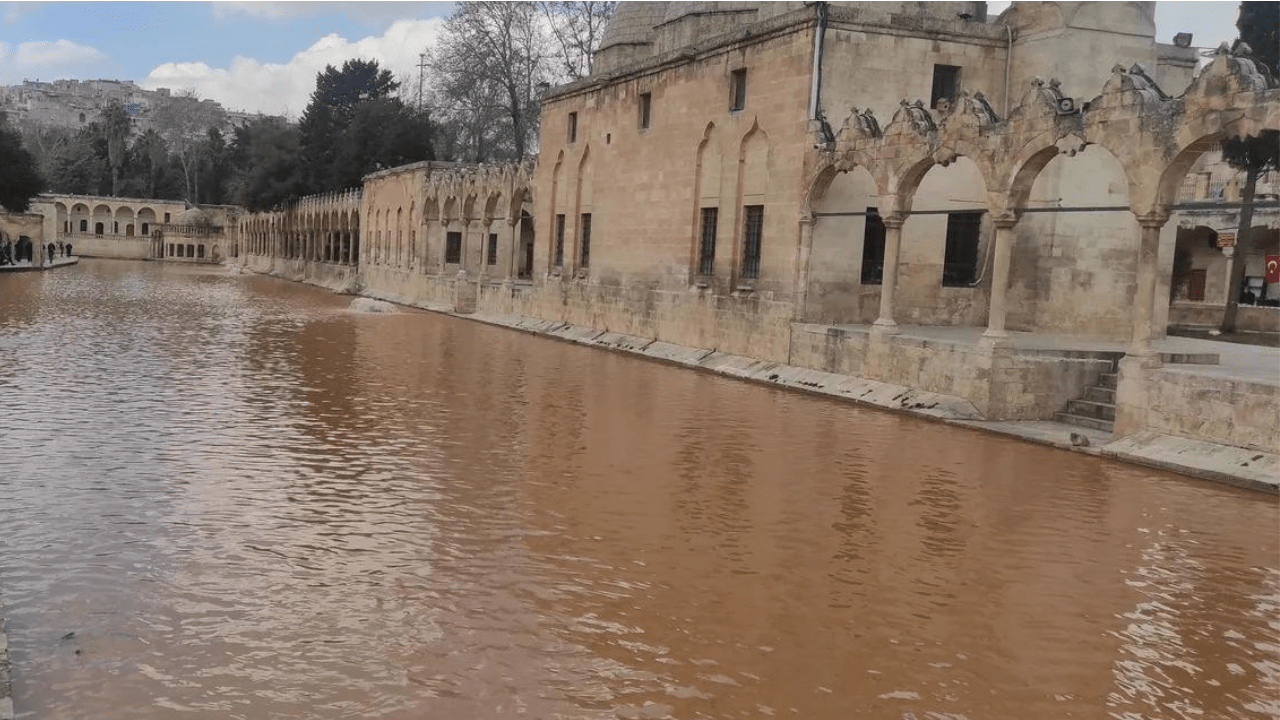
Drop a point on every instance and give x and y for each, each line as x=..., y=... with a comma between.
x=230, y=497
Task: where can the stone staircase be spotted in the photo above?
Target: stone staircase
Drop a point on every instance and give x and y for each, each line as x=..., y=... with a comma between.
x=1096, y=409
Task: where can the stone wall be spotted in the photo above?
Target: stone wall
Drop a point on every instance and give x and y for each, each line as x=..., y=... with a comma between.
x=15, y=225
x=136, y=248
x=1202, y=315
x=1000, y=383
x=1218, y=409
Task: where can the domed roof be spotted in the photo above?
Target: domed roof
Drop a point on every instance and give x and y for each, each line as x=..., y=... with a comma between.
x=192, y=216
x=632, y=24
x=677, y=10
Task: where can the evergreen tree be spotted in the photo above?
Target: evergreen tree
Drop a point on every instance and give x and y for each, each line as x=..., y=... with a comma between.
x=1259, y=26
x=19, y=179
x=325, y=121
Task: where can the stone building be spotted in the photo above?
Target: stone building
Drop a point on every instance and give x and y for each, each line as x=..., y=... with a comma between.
x=798, y=182
x=139, y=228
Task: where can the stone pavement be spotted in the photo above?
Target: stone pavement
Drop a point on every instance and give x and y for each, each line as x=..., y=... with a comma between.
x=6, y=689
x=25, y=266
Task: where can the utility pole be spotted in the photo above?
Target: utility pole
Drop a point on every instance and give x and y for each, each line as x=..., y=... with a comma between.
x=422, y=68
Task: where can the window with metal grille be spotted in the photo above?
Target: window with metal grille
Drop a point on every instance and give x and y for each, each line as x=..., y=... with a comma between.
x=646, y=105
x=960, y=266
x=573, y=127
x=559, y=256
x=752, y=228
x=584, y=242
x=453, y=248
x=738, y=89
x=707, y=247
x=873, y=248
x=492, y=254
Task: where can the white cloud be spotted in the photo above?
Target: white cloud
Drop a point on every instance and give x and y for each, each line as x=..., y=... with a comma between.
x=280, y=88
x=367, y=11
x=47, y=59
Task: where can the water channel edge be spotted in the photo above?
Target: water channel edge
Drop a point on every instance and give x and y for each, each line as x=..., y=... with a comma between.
x=1239, y=467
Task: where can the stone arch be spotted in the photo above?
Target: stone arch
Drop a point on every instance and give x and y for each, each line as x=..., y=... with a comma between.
x=708, y=186
x=559, y=204
x=101, y=219
x=752, y=192
x=946, y=241
x=80, y=218
x=522, y=209
x=583, y=220
x=846, y=255
x=1072, y=267
x=146, y=220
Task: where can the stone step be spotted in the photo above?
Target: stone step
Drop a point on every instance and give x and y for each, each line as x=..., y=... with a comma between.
x=1086, y=422
x=1100, y=395
x=1088, y=408
x=1107, y=380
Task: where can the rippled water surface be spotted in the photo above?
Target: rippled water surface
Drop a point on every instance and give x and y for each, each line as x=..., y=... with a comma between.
x=246, y=501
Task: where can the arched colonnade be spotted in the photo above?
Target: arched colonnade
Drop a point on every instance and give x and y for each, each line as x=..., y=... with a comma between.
x=318, y=228
x=1153, y=139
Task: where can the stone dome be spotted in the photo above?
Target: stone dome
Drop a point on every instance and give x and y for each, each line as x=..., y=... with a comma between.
x=192, y=216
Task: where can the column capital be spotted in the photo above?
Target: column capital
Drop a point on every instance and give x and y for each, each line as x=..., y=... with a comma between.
x=1153, y=218
x=1005, y=220
x=893, y=222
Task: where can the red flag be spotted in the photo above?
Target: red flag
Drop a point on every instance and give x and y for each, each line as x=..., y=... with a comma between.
x=1273, y=268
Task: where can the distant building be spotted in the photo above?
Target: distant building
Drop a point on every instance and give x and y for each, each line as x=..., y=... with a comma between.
x=76, y=103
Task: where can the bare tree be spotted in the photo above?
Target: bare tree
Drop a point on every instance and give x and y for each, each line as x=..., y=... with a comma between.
x=491, y=57
x=184, y=121
x=577, y=28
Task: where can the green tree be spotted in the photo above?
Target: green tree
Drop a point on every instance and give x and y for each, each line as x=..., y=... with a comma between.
x=114, y=123
x=80, y=166
x=1259, y=26
x=266, y=170
x=19, y=180
x=333, y=105
x=382, y=133
x=148, y=158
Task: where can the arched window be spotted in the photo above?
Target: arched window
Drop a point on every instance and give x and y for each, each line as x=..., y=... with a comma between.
x=146, y=229
x=84, y=226
x=97, y=228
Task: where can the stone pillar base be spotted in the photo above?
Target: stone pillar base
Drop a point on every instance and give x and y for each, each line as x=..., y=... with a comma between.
x=1132, y=398
x=465, y=294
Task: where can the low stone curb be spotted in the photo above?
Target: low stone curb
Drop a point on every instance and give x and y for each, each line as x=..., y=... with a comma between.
x=1198, y=459
x=6, y=688
x=1203, y=460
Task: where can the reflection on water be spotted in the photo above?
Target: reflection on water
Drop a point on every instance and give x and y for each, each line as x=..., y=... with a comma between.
x=247, y=502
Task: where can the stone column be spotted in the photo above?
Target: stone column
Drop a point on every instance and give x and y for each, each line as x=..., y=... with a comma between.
x=803, y=260
x=1145, y=296
x=885, y=324
x=486, y=227
x=1132, y=392
x=1000, y=278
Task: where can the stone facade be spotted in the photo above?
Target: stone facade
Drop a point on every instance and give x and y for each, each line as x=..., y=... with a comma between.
x=315, y=239
x=728, y=180
x=137, y=228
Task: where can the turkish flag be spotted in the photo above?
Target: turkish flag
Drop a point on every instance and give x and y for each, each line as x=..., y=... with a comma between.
x=1273, y=268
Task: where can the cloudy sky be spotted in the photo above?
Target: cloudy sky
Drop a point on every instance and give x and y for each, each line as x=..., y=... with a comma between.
x=264, y=56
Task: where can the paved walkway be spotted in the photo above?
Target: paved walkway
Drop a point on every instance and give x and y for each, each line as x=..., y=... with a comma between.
x=1254, y=363
x=25, y=266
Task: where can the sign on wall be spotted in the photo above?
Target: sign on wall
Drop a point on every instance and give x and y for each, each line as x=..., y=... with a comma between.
x=1226, y=238
x=1273, y=268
